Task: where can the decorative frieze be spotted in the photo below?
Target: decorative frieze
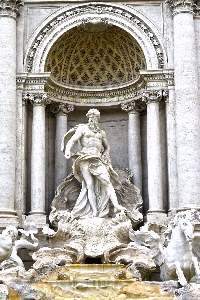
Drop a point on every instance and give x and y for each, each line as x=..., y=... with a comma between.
x=182, y=6
x=9, y=8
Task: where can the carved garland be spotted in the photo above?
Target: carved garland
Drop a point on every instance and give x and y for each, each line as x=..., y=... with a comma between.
x=95, y=8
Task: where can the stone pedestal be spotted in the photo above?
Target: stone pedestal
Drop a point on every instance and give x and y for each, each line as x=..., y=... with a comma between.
x=8, y=14
x=187, y=104
x=155, y=184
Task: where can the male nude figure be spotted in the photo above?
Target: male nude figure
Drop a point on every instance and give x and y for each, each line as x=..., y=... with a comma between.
x=93, y=163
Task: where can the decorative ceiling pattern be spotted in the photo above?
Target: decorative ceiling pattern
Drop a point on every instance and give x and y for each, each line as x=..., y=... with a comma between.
x=95, y=55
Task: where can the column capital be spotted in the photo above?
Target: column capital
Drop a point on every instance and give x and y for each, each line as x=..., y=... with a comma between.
x=61, y=109
x=181, y=6
x=38, y=99
x=25, y=99
x=133, y=106
x=150, y=96
x=9, y=8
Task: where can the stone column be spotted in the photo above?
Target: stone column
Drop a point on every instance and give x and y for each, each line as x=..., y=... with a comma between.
x=24, y=150
x=171, y=150
x=37, y=213
x=61, y=110
x=134, y=140
x=20, y=166
x=187, y=104
x=155, y=182
x=8, y=15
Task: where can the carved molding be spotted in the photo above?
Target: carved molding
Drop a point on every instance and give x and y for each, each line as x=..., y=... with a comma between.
x=70, y=17
x=9, y=8
x=133, y=106
x=182, y=6
x=152, y=96
x=61, y=108
x=62, y=94
x=38, y=99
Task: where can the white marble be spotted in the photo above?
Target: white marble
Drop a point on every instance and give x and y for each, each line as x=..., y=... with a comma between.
x=187, y=110
x=7, y=119
x=92, y=167
x=155, y=182
x=135, y=164
x=171, y=150
x=61, y=112
x=60, y=160
x=38, y=158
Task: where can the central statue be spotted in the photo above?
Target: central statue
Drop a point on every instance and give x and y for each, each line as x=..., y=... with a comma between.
x=92, y=167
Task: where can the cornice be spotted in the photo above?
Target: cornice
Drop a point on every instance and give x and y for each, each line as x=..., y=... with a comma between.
x=9, y=8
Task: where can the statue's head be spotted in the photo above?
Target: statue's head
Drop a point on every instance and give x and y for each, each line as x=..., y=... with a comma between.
x=93, y=113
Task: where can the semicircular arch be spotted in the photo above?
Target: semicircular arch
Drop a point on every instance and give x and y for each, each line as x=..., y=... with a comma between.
x=126, y=18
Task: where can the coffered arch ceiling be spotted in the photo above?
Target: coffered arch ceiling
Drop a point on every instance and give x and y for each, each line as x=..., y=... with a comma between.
x=95, y=56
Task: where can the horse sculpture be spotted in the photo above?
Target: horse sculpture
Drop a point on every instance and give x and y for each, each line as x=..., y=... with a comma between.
x=178, y=255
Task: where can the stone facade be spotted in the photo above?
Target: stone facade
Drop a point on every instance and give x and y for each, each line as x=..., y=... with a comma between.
x=138, y=62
